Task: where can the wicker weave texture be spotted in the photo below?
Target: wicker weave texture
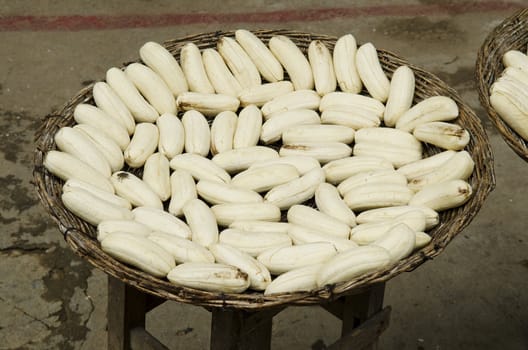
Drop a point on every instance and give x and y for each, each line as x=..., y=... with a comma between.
x=81, y=236
x=511, y=34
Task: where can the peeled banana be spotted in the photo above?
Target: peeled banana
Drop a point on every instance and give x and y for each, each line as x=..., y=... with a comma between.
x=212, y=277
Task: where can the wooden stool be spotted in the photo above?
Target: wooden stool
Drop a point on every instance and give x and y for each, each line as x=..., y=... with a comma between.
x=363, y=320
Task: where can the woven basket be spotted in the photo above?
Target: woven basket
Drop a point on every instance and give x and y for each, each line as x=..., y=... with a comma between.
x=511, y=34
x=81, y=236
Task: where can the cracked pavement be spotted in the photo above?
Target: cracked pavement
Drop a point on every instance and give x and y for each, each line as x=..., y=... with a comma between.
x=472, y=296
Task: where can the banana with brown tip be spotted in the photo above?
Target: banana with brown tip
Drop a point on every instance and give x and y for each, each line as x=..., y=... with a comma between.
x=322, y=65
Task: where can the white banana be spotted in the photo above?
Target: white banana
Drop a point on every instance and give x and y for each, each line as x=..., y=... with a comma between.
x=228, y=213
x=263, y=179
x=207, y=104
x=293, y=60
x=347, y=101
x=421, y=240
x=66, y=166
x=341, y=169
x=273, y=128
x=443, y=196
x=398, y=156
x=139, y=252
x=200, y=167
x=460, y=166
x=239, y=159
x=368, y=233
x=356, y=119
x=202, y=222
x=238, y=62
x=197, y=133
x=156, y=174
x=131, y=227
x=141, y=110
x=425, y=165
x=369, y=177
x=223, y=132
x=74, y=142
x=91, y=115
x=432, y=109
x=303, y=164
x=260, y=226
x=259, y=276
x=152, y=87
x=344, y=56
x=171, y=135
x=377, y=195
x=398, y=147
x=210, y=277
x=194, y=71
x=183, y=190
x=329, y=202
x=161, y=61
x=283, y=259
x=135, y=190
x=444, y=135
x=510, y=113
x=302, y=235
x=106, y=145
x=260, y=94
x=142, y=145
x=106, y=99
x=399, y=242
x=248, y=127
x=322, y=65
x=371, y=72
x=303, y=215
x=517, y=74
x=401, y=95
x=74, y=184
x=219, y=74
x=254, y=243
x=218, y=193
x=299, y=99
x=515, y=59
x=181, y=249
x=318, y=133
x=388, y=136
x=266, y=63
x=160, y=220
x=351, y=264
x=91, y=208
x=295, y=191
x=302, y=279
x=384, y=214
x=324, y=152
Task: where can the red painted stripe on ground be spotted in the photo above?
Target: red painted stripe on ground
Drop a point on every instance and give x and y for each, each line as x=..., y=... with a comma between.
x=104, y=22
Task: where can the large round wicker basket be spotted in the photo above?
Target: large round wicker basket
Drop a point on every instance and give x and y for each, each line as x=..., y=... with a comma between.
x=510, y=34
x=81, y=235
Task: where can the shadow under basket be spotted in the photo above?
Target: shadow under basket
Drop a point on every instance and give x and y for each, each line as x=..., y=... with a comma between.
x=81, y=235
x=510, y=34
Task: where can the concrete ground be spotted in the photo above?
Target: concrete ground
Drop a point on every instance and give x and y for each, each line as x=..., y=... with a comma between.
x=473, y=296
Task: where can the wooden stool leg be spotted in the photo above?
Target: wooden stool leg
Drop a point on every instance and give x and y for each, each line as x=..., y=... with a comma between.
x=127, y=308
x=363, y=318
x=360, y=307
x=241, y=330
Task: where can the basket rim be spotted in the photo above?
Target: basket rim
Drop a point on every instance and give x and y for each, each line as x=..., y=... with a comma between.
x=78, y=236
x=496, y=43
